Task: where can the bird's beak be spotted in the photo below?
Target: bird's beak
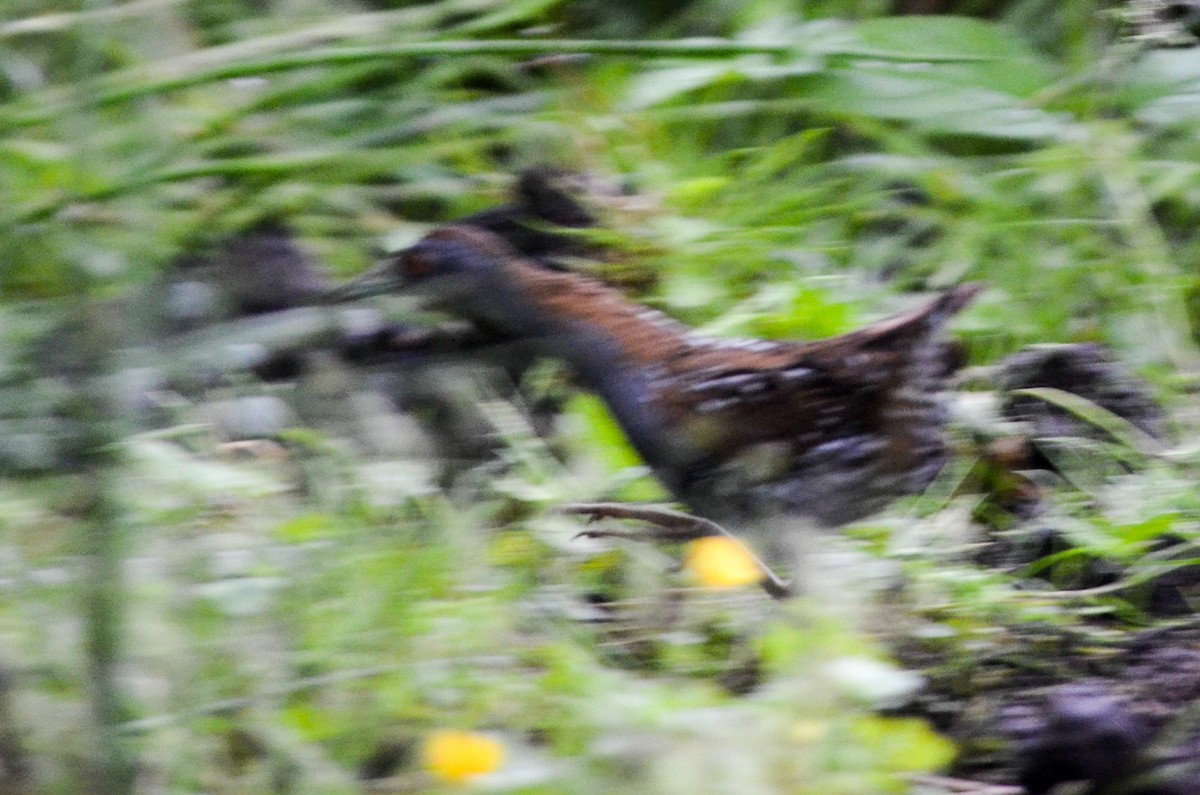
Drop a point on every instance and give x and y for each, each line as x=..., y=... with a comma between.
x=379, y=279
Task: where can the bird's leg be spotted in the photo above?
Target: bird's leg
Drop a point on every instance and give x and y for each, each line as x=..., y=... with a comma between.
x=668, y=525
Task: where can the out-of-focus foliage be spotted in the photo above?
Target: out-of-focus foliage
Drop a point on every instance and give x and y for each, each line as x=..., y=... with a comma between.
x=298, y=620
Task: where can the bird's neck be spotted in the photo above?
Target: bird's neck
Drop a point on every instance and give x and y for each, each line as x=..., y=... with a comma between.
x=616, y=347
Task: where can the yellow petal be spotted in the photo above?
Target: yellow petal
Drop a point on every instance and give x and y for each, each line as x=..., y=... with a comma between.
x=461, y=756
x=720, y=562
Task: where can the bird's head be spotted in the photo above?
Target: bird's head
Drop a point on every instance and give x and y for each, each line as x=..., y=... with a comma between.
x=453, y=265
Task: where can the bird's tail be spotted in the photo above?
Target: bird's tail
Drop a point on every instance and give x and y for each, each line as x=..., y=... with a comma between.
x=912, y=407
x=951, y=302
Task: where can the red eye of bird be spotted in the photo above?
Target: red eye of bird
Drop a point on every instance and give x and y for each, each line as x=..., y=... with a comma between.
x=417, y=264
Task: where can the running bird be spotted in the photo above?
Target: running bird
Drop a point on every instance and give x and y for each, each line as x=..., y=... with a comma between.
x=829, y=430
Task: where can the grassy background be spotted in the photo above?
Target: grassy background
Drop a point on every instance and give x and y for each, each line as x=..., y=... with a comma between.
x=293, y=623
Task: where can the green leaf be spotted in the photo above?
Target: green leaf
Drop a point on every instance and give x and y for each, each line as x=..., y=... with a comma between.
x=1148, y=530
x=310, y=723
x=945, y=37
x=306, y=527
x=600, y=432
x=1163, y=88
x=903, y=744
x=933, y=100
x=658, y=86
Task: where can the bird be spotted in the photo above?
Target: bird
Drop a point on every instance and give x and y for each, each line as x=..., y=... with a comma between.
x=830, y=430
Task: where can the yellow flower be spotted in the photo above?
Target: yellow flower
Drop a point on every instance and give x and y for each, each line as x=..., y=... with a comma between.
x=721, y=562
x=460, y=756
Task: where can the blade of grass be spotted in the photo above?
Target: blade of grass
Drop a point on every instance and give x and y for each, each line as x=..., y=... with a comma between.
x=63, y=22
x=201, y=68
x=1164, y=286
x=1120, y=429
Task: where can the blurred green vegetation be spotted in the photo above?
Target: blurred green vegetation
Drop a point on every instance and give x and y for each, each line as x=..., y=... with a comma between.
x=295, y=623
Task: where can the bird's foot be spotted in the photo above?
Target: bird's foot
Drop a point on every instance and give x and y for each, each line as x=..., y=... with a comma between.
x=667, y=525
